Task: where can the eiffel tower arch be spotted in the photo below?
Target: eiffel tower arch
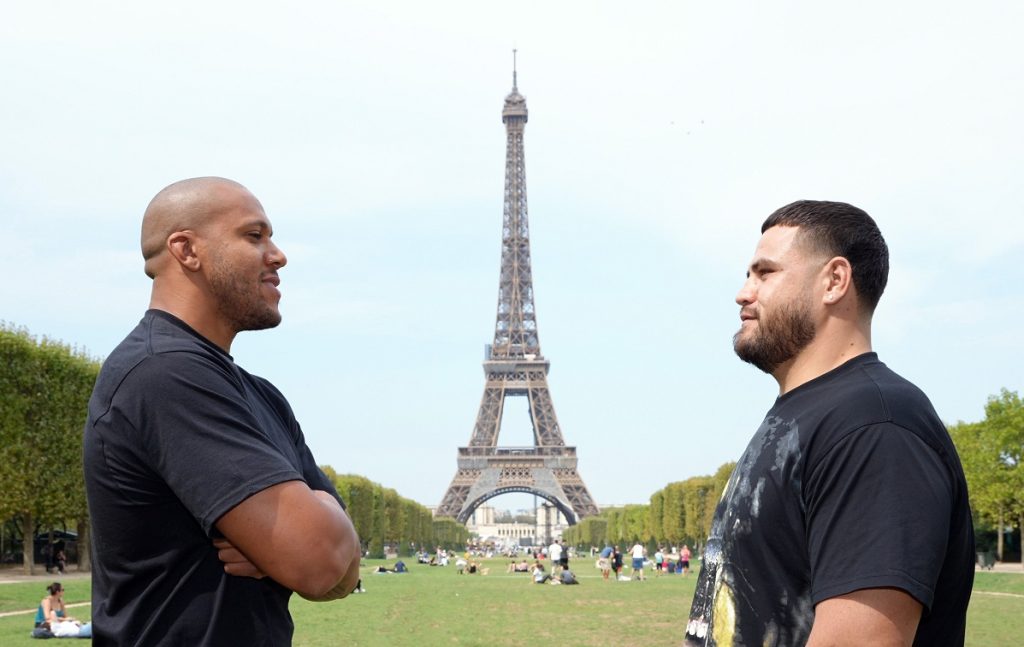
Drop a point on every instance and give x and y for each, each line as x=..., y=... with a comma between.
x=515, y=367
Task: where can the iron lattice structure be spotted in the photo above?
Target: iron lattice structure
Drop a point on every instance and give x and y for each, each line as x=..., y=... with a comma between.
x=514, y=366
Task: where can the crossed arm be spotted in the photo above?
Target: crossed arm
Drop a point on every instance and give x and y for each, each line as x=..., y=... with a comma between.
x=302, y=538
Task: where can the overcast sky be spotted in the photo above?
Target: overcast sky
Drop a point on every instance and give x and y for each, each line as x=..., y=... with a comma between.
x=661, y=134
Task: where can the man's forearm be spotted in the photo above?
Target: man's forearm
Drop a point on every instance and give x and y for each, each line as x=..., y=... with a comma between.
x=345, y=585
x=301, y=538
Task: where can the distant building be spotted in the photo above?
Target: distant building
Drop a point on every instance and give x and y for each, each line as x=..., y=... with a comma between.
x=547, y=526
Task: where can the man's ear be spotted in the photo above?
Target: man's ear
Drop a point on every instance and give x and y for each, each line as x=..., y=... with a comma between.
x=838, y=279
x=182, y=246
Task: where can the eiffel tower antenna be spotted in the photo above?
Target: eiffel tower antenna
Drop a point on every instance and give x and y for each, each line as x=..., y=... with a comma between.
x=514, y=366
x=515, y=87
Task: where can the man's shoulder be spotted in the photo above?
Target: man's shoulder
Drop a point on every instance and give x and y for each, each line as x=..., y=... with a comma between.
x=880, y=395
x=159, y=334
x=862, y=392
x=156, y=352
x=862, y=396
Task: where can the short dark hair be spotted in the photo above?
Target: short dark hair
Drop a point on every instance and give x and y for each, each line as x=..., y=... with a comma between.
x=841, y=229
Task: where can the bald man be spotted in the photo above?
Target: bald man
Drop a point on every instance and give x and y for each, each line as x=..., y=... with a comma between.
x=208, y=509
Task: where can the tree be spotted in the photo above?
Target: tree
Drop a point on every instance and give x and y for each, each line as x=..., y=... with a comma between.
x=696, y=492
x=382, y=517
x=656, y=516
x=591, y=531
x=449, y=533
x=673, y=518
x=44, y=395
x=614, y=527
x=635, y=523
x=1004, y=415
x=357, y=492
x=992, y=455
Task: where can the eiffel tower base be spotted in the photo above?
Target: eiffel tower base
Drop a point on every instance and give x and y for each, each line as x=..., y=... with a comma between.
x=486, y=472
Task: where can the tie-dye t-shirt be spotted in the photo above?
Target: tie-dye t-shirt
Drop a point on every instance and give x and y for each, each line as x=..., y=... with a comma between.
x=851, y=482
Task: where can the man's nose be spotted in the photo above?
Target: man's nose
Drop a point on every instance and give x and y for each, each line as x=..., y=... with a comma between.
x=746, y=294
x=275, y=256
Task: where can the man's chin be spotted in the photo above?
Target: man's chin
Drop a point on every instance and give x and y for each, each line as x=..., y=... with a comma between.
x=741, y=340
x=269, y=320
x=752, y=355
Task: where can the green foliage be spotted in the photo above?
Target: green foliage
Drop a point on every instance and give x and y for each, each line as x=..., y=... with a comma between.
x=656, y=516
x=992, y=454
x=635, y=523
x=679, y=513
x=673, y=516
x=44, y=395
x=384, y=519
x=449, y=533
x=591, y=531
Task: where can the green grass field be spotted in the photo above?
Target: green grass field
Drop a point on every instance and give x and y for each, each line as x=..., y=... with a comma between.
x=435, y=606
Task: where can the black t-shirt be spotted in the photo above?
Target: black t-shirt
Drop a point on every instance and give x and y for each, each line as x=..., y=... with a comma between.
x=851, y=482
x=176, y=436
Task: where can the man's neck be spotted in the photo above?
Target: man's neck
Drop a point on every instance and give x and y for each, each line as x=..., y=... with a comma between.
x=819, y=357
x=207, y=324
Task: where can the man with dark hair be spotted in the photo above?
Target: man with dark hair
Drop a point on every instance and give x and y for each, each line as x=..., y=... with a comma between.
x=207, y=507
x=846, y=520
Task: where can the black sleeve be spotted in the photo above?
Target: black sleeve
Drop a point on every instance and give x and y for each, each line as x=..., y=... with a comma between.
x=201, y=435
x=311, y=472
x=313, y=475
x=878, y=512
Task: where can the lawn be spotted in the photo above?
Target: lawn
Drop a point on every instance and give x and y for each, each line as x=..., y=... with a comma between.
x=435, y=606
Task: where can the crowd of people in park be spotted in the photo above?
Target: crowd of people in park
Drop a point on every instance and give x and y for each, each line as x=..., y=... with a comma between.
x=438, y=558
x=613, y=563
x=610, y=562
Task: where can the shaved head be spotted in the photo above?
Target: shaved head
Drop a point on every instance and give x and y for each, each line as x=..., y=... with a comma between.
x=187, y=204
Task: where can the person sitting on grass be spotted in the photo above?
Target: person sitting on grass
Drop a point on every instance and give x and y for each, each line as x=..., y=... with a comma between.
x=566, y=577
x=51, y=608
x=52, y=619
x=475, y=568
x=539, y=576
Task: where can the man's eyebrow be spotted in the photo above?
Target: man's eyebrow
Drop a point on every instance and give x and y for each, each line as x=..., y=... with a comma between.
x=761, y=263
x=257, y=222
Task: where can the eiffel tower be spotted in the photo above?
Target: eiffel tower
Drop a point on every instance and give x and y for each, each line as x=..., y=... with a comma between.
x=514, y=366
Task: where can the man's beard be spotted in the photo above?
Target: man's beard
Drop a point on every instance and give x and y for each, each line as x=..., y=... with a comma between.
x=240, y=303
x=778, y=338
